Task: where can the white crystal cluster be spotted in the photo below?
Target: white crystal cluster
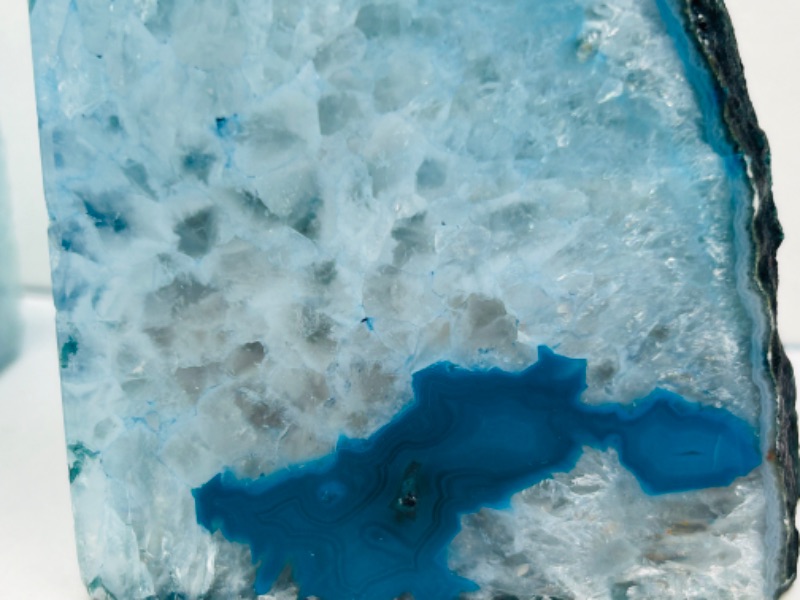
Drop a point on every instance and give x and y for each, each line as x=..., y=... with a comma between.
x=9, y=319
x=267, y=214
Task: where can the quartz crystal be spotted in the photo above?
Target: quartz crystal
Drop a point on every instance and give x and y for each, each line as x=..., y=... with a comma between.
x=377, y=299
x=9, y=319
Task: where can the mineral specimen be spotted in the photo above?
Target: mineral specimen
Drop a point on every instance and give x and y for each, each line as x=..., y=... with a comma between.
x=309, y=257
x=9, y=319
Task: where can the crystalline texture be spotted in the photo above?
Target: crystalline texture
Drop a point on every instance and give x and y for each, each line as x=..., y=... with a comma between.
x=9, y=319
x=269, y=215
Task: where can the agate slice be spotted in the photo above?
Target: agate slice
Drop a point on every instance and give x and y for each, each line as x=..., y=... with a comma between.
x=9, y=318
x=426, y=299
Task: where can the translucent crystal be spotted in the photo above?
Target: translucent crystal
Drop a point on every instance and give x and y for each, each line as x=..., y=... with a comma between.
x=271, y=217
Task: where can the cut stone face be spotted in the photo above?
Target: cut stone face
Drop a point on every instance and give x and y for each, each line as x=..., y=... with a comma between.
x=9, y=318
x=309, y=259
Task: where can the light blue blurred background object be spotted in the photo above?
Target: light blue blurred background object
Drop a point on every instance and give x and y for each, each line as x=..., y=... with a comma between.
x=9, y=317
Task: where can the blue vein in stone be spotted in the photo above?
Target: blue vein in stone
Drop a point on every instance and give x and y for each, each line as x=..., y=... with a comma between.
x=374, y=518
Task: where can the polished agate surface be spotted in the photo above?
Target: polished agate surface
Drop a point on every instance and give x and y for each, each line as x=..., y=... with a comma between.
x=274, y=220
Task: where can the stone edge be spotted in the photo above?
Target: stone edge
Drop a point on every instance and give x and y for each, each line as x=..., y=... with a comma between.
x=711, y=29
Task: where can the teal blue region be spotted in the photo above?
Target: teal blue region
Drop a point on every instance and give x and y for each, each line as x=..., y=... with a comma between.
x=374, y=518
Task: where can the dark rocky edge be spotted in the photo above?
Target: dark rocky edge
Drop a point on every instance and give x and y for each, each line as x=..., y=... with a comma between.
x=710, y=26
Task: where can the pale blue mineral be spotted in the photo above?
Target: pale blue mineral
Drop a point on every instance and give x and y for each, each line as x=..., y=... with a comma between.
x=374, y=299
x=9, y=290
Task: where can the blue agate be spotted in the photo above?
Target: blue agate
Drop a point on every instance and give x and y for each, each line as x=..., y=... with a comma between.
x=268, y=215
x=374, y=518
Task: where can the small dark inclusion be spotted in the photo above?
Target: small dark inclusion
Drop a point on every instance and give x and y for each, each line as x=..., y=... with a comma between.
x=374, y=518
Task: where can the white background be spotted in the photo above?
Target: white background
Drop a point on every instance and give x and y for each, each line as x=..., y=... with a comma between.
x=37, y=553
